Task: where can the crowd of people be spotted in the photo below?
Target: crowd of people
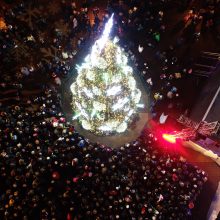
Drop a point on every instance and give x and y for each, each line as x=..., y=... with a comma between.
x=147, y=19
x=47, y=169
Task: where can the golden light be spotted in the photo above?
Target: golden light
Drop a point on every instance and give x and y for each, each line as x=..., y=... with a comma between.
x=169, y=138
x=3, y=25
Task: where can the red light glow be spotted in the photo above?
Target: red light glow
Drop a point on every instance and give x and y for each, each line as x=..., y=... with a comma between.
x=169, y=138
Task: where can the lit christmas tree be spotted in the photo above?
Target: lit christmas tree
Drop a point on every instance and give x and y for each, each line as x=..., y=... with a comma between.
x=105, y=97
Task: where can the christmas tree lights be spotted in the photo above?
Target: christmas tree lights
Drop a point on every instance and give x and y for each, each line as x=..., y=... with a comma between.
x=104, y=96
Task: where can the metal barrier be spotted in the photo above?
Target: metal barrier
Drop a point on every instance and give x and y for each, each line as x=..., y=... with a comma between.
x=203, y=127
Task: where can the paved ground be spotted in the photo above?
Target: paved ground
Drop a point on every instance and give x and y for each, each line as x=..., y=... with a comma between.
x=215, y=205
x=205, y=99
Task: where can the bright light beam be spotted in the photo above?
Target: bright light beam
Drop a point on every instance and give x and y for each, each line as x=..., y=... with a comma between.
x=169, y=138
